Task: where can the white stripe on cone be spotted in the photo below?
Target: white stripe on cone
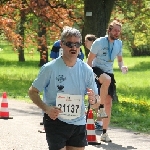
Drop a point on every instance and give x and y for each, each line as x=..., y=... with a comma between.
x=4, y=100
x=90, y=121
x=91, y=132
x=3, y=109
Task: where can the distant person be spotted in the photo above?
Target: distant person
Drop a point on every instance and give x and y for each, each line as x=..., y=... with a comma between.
x=101, y=58
x=89, y=39
x=57, y=51
x=64, y=83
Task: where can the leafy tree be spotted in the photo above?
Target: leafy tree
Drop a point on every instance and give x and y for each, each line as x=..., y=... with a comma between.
x=3, y=1
x=12, y=19
x=49, y=12
x=8, y=23
x=135, y=17
x=24, y=16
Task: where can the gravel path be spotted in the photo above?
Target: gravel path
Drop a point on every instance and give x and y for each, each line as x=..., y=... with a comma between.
x=21, y=132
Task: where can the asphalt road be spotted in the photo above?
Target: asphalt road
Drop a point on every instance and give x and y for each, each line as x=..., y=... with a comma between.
x=21, y=132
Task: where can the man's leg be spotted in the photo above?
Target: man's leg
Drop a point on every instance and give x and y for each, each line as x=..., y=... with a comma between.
x=106, y=121
x=108, y=105
x=74, y=148
x=105, y=81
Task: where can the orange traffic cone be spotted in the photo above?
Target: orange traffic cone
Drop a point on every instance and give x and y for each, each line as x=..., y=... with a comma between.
x=4, y=113
x=91, y=135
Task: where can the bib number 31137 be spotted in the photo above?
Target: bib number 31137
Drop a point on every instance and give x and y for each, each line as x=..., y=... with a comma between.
x=70, y=105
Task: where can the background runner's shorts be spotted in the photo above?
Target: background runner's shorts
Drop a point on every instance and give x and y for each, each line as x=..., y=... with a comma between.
x=112, y=87
x=60, y=134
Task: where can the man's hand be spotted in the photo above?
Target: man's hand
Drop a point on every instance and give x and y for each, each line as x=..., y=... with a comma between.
x=91, y=96
x=53, y=112
x=93, y=99
x=124, y=69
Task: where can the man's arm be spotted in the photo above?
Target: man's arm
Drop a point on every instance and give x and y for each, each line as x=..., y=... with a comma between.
x=123, y=68
x=35, y=97
x=51, y=111
x=90, y=58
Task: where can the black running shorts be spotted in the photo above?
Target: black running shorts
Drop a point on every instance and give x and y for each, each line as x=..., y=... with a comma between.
x=60, y=134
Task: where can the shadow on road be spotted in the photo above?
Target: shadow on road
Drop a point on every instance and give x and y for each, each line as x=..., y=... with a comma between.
x=23, y=112
x=113, y=146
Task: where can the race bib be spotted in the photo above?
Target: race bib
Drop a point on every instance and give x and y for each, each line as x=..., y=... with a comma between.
x=69, y=104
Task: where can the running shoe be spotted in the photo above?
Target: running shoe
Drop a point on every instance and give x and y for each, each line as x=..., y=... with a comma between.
x=105, y=138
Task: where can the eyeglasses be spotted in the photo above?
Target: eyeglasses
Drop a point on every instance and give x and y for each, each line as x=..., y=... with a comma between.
x=70, y=44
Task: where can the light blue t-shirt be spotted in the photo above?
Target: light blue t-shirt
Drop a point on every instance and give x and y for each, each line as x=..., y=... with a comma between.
x=106, y=52
x=55, y=77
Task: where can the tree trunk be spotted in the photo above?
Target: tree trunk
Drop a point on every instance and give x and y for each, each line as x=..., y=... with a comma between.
x=96, y=17
x=42, y=45
x=21, y=33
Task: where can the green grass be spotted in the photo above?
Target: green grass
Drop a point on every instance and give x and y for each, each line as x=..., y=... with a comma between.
x=133, y=89
x=16, y=77
x=133, y=110
x=135, y=84
x=131, y=114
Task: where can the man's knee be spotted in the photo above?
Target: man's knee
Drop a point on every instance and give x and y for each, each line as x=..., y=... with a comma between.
x=105, y=79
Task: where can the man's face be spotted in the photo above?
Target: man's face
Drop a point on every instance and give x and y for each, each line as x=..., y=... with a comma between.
x=115, y=32
x=71, y=46
x=88, y=43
